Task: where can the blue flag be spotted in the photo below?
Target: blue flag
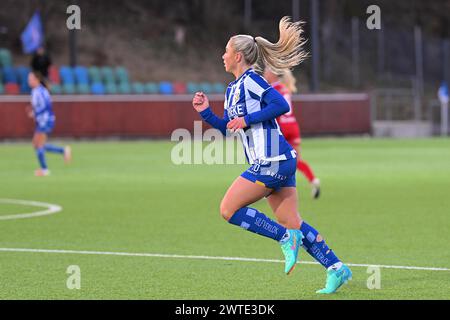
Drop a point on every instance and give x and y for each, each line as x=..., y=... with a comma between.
x=33, y=36
x=443, y=92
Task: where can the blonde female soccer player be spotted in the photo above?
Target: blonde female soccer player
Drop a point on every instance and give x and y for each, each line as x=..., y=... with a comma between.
x=251, y=107
x=285, y=84
x=42, y=112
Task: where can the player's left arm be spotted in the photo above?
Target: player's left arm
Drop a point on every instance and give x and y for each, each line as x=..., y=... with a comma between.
x=276, y=105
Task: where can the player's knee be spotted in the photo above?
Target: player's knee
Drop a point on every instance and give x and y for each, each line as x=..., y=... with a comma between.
x=226, y=211
x=37, y=143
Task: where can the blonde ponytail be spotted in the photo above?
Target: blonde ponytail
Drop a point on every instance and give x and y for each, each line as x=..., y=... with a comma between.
x=284, y=54
x=287, y=52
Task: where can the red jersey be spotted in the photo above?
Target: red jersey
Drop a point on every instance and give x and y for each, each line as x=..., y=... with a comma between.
x=287, y=122
x=288, y=117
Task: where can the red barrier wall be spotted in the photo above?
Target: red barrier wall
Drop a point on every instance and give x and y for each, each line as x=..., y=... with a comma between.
x=157, y=116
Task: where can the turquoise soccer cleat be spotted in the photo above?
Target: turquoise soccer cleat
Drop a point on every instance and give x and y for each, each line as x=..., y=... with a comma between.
x=335, y=279
x=290, y=249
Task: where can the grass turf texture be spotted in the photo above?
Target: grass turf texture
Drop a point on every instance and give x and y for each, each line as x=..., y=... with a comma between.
x=383, y=202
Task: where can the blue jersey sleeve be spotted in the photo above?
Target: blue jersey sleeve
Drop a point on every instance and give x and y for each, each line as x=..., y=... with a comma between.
x=275, y=106
x=219, y=123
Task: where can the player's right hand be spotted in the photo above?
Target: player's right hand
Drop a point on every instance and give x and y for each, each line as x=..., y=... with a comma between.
x=200, y=101
x=29, y=111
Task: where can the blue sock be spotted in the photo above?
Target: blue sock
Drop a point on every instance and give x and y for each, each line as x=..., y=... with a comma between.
x=315, y=245
x=54, y=149
x=40, y=153
x=252, y=220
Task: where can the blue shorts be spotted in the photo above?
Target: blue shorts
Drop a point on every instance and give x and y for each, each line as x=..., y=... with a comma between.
x=45, y=122
x=274, y=175
x=44, y=127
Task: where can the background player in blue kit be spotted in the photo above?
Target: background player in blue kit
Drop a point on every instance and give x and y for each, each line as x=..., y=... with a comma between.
x=251, y=107
x=41, y=111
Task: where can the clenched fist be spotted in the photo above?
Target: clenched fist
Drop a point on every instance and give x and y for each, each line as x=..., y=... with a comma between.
x=200, y=101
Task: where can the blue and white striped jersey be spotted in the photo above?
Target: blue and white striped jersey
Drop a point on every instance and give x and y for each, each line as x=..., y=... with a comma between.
x=40, y=100
x=42, y=104
x=262, y=141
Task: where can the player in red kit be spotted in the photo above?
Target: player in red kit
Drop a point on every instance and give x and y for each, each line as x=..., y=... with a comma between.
x=285, y=84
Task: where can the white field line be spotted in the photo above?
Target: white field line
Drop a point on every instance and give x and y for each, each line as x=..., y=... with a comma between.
x=179, y=256
x=50, y=209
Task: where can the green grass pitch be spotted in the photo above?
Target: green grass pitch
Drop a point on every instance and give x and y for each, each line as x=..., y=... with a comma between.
x=383, y=202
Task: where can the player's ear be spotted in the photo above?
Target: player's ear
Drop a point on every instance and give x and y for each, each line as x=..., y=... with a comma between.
x=238, y=57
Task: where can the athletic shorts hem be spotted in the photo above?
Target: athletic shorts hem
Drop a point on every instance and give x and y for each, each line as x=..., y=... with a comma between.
x=282, y=178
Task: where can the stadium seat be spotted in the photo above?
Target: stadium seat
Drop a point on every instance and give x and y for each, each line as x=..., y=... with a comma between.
x=53, y=74
x=124, y=88
x=22, y=78
x=81, y=75
x=94, y=74
x=137, y=88
x=111, y=88
x=9, y=75
x=165, y=87
x=179, y=88
x=218, y=87
x=83, y=88
x=55, y=89
x=97, y=88
x=66, y=74
x=22, y=72
x=192, y=87
x=151, y=88
x=5, y=58
x=107, y=75
x=68, y=88
x=2, y=90
x=206, y=87
x=12, y=88
x=122, y=75
x=25, y=88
